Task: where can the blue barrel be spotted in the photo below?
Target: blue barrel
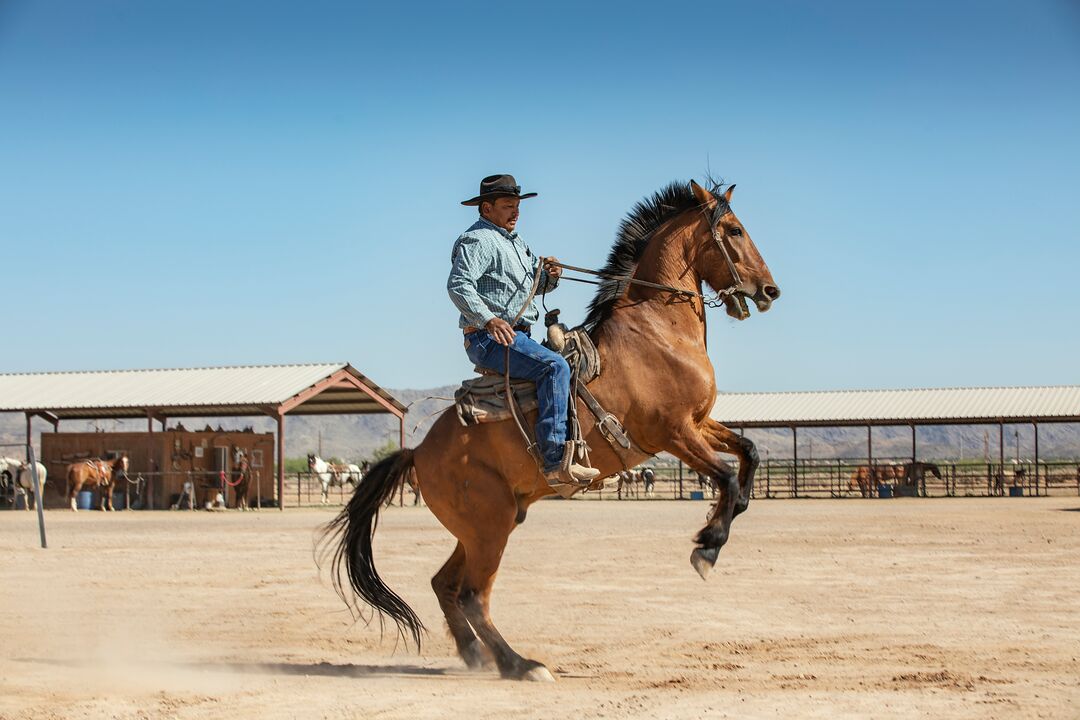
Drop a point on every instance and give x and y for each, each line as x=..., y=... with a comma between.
x=884, y=491
x=697, y=495
x=85, y=500
x=1016, y=491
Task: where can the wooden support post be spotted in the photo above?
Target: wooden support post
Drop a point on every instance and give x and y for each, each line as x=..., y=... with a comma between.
x=281, y=459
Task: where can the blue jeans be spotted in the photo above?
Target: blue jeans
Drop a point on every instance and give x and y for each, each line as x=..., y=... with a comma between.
x=529, y=360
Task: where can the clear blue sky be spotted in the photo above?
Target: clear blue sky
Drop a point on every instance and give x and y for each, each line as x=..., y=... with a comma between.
x=208, y=182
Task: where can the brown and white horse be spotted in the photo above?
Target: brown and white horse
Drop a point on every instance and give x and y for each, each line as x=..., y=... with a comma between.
x=15, y=474
x=95, y=472
x=480, y=480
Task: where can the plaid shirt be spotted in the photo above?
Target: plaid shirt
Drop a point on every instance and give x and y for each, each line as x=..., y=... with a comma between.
x=492, y=274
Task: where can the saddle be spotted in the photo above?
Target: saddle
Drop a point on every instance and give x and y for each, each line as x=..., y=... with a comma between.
x=483, y=399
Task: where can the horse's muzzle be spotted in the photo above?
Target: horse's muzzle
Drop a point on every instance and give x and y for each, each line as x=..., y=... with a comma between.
x=764, y=297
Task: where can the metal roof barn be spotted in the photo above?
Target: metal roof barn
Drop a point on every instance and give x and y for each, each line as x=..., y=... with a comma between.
x=274, y=390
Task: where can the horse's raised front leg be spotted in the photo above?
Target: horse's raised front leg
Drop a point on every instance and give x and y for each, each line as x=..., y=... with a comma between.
x=695, y=447
x=724, y=440
x=447, y=586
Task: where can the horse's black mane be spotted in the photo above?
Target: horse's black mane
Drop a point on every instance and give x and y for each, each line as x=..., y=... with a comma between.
x=633, y=236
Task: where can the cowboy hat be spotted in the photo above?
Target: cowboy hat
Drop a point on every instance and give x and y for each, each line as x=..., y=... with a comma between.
x=495, y=186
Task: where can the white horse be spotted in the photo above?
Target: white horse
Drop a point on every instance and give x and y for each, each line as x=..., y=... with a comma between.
x=16, y=474
x=331, y=475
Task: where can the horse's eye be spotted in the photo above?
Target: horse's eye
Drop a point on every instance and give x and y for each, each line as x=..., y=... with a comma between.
x=735, y=231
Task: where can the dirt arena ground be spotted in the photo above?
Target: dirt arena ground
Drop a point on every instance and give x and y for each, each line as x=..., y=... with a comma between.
x=901, y=608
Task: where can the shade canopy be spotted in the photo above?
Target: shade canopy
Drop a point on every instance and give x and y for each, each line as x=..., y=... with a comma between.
x=928, y=406
x=310, y=389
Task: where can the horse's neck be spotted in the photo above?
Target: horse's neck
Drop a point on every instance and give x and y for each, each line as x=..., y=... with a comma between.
x=667, y=261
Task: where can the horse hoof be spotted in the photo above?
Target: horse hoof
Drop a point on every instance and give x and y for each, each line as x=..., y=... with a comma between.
x=538, y=674
x=703, y=560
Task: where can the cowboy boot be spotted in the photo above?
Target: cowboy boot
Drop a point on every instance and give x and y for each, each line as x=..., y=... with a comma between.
x=570, y=473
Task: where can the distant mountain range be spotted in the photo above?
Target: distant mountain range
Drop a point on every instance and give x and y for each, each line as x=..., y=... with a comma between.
x=355, y=437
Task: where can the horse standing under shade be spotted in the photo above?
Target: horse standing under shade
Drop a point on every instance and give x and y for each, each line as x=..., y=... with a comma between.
x=480, y=480
x=98, y=473
x=648, y=480
x=862, y=479
x=627, y=484
x=331, y=475
x=241, y=478
x=16, y=475
x=913, y=474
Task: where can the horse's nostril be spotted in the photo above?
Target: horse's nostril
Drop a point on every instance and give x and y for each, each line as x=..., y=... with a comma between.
x=771, y=291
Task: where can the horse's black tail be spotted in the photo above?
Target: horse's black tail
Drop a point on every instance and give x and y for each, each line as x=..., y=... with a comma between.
x=348, y=539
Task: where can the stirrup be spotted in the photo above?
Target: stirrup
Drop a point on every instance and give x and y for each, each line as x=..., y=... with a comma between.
x=568, y=469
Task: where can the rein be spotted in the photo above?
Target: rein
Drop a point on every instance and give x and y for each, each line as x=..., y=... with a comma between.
x=717, y=300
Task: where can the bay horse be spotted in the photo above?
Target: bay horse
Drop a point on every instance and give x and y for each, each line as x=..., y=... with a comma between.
x=862, y=479
x=241, y=477
x=866, y=478
x=480, y=480
x=98, y=473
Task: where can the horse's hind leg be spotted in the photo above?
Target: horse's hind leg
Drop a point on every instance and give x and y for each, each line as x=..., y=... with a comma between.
x=482, y=529
x=73, y=492
x=447, y=586
x=481, y=564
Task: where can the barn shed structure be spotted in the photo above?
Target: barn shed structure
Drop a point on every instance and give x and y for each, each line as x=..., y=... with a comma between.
x=911, y=408
x=158, y=396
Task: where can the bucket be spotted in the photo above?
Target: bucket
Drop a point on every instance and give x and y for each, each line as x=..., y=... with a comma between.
x=884, y=491
x=85, y=500
x=1016, y=491
x=697, y=495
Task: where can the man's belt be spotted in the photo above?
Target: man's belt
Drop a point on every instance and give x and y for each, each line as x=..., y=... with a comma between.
x=520, y=327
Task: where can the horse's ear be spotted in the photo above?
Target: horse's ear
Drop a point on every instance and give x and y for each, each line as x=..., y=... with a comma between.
x=727, y=193
x=704, y=196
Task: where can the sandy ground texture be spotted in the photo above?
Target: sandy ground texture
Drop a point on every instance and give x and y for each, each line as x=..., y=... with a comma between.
x=817, y=609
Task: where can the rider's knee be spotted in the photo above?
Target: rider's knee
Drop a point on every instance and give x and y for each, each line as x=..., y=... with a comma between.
x=560, y=370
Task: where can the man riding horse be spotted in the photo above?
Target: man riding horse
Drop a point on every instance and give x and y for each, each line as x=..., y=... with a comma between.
x=491, y=282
